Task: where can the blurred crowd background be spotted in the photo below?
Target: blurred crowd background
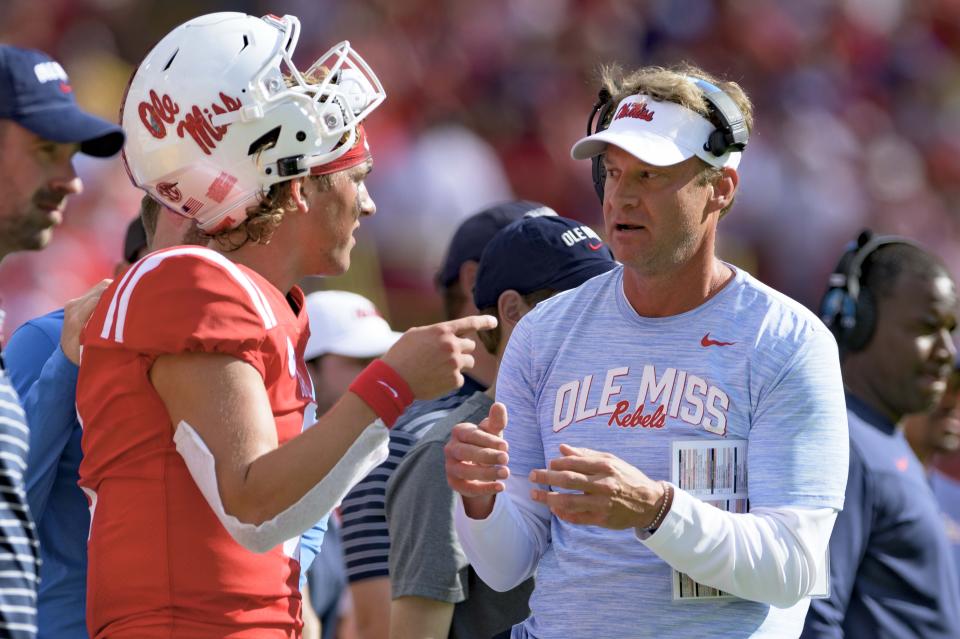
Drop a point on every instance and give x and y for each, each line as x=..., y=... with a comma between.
x=857, y=104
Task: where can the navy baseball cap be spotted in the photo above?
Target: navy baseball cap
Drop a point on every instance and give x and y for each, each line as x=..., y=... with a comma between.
x=473, y=234
x=36, y=94
x=537, y=253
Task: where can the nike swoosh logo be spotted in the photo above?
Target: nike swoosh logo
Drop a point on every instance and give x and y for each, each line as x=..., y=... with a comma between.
x=706, y=341
x=595, y=247
x=396, y=395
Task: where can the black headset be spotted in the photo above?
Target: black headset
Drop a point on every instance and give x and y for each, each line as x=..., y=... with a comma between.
x=849, y=311
x=731, y=132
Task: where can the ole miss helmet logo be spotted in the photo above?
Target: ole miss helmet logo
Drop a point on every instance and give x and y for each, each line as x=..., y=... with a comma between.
x=169, y=191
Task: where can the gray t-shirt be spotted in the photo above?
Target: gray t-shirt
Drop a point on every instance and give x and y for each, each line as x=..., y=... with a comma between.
x=749, y=366
x=426, y=559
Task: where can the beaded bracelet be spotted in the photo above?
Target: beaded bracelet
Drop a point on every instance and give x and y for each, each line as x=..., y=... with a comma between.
x=664, y=507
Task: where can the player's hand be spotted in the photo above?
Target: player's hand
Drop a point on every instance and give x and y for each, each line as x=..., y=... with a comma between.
x=76, y=312
x=432, y=358
x=609, y=492
x=476, y=461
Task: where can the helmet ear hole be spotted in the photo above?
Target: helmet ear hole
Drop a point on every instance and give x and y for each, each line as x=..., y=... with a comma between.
x=266, y=141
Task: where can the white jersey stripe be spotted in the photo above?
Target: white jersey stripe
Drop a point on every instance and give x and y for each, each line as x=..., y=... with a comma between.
x=153, y=261
x=146, y=266
x=108, y=322
x=271, y=318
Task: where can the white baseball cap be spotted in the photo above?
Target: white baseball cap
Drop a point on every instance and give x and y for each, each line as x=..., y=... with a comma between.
x=657, y=132
x=343, y=323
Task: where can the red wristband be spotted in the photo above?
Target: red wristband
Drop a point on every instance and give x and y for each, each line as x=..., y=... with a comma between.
x=383, y=390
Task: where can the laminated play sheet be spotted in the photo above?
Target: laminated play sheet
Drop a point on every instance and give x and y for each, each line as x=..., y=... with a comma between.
x=716, y=472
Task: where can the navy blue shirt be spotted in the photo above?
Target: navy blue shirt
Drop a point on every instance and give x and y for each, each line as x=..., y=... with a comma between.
x=891, y=569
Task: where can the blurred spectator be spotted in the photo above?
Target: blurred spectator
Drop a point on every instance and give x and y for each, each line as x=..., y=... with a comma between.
x=935, y=438
x=892, y=307
x=936, y=434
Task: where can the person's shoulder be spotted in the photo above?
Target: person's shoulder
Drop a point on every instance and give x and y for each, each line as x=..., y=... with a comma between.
x=192, y=268
x=36, y=337
x=553, y=318
x=780, y=325
x=183, y=293
x=49, y=324
x=777, y=306
x=422, y=466
x=472, y=409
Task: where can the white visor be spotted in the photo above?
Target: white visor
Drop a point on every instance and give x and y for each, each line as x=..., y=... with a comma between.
x=658, y=133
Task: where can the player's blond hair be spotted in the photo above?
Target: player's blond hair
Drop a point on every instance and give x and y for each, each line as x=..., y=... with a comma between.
x=672, y=84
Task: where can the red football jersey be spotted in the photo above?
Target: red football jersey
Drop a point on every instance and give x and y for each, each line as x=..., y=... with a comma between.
x=160, y=562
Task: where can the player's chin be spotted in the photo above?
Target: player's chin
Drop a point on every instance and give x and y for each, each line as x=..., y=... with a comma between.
x=341, y=261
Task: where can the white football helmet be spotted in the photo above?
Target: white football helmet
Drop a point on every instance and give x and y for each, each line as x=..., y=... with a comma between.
x=212, y=92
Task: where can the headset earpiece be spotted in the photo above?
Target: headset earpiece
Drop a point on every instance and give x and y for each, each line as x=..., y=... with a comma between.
x=731, y=133
x=848, y=310
x=602, y=109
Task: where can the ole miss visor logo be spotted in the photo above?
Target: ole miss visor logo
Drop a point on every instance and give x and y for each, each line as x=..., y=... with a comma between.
x=637, y=110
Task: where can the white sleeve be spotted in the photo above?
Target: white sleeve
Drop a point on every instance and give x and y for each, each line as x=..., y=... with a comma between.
x=771, y=555
x=367, y=452
x=505, y=548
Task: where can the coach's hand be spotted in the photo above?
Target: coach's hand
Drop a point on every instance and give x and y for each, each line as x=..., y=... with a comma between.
x=610, y=492
x=76, y=312
x=432, y=358
x=476, y=461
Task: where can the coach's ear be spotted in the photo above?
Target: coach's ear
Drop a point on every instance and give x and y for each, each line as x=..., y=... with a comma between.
x=724, y=189
x=298, y=196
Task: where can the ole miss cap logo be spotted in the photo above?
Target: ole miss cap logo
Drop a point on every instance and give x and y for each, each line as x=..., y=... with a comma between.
x=35, y=93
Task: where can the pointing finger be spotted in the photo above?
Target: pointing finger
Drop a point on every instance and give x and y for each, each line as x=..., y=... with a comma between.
x=472, y=323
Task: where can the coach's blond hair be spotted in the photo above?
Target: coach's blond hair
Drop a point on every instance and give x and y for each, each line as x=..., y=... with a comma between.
x=672, y=84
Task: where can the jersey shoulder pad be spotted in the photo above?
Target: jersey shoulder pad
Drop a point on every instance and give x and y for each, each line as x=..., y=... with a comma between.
x=183, y=299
